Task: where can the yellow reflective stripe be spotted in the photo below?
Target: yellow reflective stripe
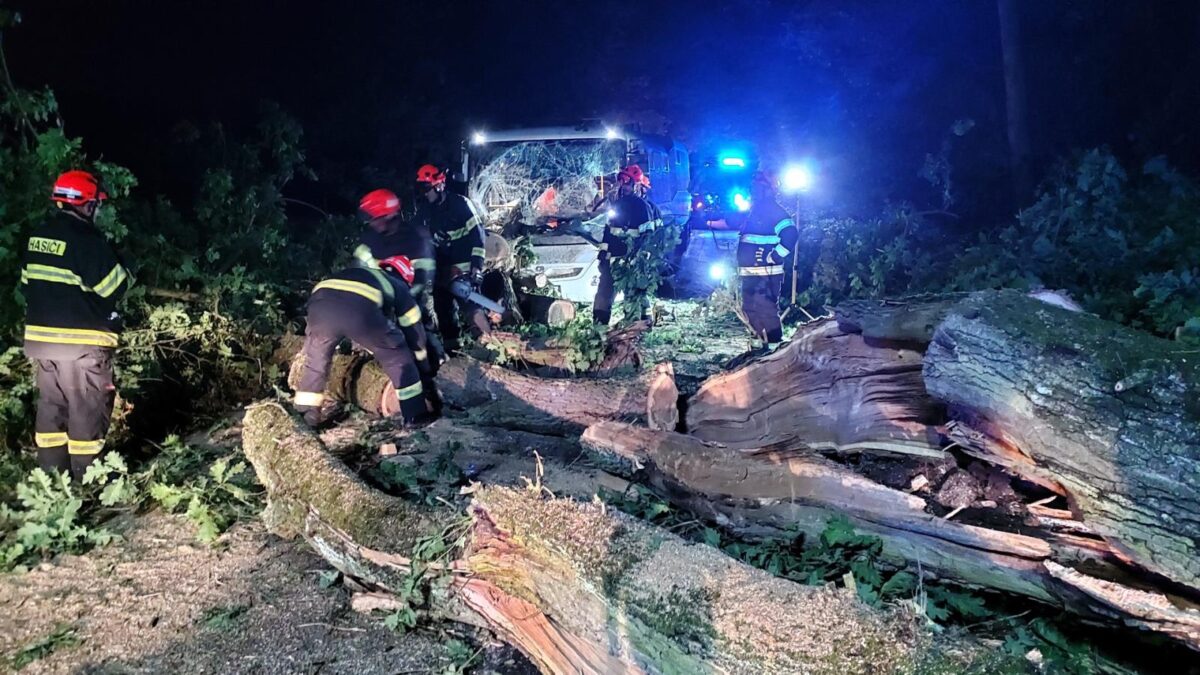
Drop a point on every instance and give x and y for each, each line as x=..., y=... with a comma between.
x=782, y=251
x=760, y=239
x=411, y=391
x=357, y=287
x=420, y=355
x=410, y=318
x=55, y=274
x=464, y=266
x=363, y=253
x=84, y=447
x=783, y=225
x=763, y=271
x=24, y=277
x=424, y=264
x=463, y=231
x=108, y=285
x=308, y=398
x=71, y=336
x=50, y=440
x=650, y=225
x=417, y=289
x=478, y=252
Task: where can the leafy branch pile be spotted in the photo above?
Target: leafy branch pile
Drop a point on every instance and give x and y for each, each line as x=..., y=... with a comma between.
x=638, y=274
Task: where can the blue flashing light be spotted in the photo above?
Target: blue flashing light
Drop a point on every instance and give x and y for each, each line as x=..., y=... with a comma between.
x=735, y=162
x=718, y=272
x=741, y=202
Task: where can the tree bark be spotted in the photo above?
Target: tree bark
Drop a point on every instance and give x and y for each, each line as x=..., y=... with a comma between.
x=582, y=589
x=1109, y=414
x=772, y=494
x=826, y=389
x=496, y=396
x=1014, y=97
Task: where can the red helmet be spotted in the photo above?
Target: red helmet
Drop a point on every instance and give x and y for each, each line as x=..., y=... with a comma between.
x=633, y=175
x=77, y=188
x=432, y=175
x=379, y=204
x=401, y=265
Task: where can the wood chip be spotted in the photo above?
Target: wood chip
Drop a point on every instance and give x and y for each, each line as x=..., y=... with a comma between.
x=986, y=504
x=366, y=603
x=918, y=482
x=953, y=513
x=388, y=449
x=1043, y=502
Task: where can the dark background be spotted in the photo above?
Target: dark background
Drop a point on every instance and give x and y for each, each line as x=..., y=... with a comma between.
x=866, y=87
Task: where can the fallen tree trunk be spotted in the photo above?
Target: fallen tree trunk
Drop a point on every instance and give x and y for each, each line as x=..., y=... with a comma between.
x=581, y=589
x=826, y=389
x=1109, y=414
x=496, y=396
x=768, y=494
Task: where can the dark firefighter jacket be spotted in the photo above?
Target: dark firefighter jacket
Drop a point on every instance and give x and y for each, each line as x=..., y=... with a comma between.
x=386, y=294
x=765, y=241
x=457, y=228
x=410, y=239
x=71, y=280
x=630, y=215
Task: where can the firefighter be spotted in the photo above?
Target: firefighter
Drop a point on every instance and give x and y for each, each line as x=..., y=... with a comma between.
x=386, y=236
x=71, y=281
x=456, y=224
x=765, y=241
x=631, y=213
x=374, y=307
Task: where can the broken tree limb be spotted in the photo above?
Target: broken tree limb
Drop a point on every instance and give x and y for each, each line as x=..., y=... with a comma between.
x=906, y=320
x=582, y=589
x=774, y=494
x=826, y=389
x=765, y=496
x=1042, y=383
x=496, y=396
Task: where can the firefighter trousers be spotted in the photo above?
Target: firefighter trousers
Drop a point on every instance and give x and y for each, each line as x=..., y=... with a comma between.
x=605, y=295
x=760, y=303
x=74, y=408
x=335, y=316
x=449, y=309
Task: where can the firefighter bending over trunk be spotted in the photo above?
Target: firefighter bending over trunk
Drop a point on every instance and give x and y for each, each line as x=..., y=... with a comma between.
x=456, y=224
x=387, y=236
x=632, y=214
x=360, y=303
x=72, y=280
x=766, y=240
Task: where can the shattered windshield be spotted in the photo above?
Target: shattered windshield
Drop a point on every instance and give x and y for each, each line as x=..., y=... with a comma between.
x=535, y=180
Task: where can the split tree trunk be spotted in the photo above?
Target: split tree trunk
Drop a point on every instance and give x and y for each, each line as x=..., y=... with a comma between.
x=579, y=588
x=769, y=494
x=1110, y=414
x=826, y=389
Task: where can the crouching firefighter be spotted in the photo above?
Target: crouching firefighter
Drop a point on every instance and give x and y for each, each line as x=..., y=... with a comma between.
x=387, y=235
x=374, y=308
x=456, y=224
x=72, y=280
x=765, y=241
x=632, y=216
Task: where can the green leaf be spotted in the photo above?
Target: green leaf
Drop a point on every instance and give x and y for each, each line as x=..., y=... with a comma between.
x=900, y=584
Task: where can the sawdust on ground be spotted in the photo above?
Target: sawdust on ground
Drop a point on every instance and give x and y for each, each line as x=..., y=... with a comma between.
x=159, y=601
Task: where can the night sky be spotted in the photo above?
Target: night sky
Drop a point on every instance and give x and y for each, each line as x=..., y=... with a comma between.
x=867, y=87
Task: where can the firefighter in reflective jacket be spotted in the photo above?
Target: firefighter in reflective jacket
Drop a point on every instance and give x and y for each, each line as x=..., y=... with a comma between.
x=765, y=241
x=631, y=214
x=456, y=224
x=366, y=305
x=386, y=236
x=71, y=281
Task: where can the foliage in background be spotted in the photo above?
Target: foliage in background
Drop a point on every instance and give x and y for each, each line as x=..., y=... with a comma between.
x=1124, y=245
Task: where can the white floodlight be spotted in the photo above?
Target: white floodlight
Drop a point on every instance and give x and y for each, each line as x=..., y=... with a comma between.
x=479, y=138
x=798, y=178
